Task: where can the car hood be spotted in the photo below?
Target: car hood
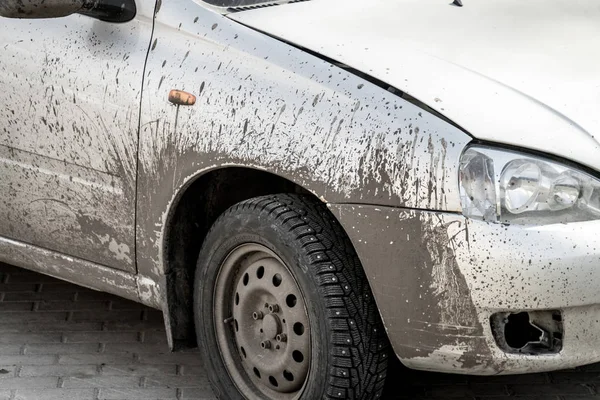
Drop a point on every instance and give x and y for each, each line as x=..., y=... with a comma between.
x=522, y=73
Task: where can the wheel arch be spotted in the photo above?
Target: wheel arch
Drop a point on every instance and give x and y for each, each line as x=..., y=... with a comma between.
x=189, y=218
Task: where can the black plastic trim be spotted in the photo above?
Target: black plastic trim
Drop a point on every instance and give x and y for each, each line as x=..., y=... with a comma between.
x=117, y=11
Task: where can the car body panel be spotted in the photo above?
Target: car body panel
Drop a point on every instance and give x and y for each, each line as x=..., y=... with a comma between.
x=439, y=277
x=72, y=269
x=265, y=105
x=70, y=89
x=525, y=74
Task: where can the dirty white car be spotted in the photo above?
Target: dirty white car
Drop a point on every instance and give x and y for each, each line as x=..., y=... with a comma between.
x=308, y=187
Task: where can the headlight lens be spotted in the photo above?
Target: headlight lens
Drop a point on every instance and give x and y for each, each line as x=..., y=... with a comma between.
x=510, y=187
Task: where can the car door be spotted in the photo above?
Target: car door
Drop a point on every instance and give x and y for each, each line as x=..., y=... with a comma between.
x=70, y=91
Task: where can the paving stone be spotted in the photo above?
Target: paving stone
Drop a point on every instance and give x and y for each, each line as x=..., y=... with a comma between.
x=553, y=389
x=134, y=326
x=176, y=381
x=62, y=348
x=37, y=296
x=55, y=394
x=27, y=359
x=65, y=287
x=576, y=377
x=197, y=394
x=179, y=358
x=123, y=304
x=138, y=394
x=95, y=358
x=51, y=326
x=7, y=371
x=10, y=349
x=31, y=317
x=148, y=371
x=155, y=337
x=106, y=315
x=156, y=350
x=58, y=370
x=72, y=305
x=17, y=287
x=61, y=341
x=103, y=337
x=92, y=381
x=16, y=306
x=30, y=383
x=26, y=337
x=191, y=370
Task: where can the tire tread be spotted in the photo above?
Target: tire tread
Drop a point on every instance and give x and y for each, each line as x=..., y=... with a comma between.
x=359, y=345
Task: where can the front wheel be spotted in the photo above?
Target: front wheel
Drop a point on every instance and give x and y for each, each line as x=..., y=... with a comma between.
x=282, y=307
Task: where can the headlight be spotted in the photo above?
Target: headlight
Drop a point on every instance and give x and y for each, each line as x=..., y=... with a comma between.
x=510, y=187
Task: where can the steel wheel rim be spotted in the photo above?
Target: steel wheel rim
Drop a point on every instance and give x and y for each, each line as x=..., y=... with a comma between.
x=262, y=324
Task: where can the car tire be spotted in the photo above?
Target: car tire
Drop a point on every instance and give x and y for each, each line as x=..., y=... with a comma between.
x=339, y=350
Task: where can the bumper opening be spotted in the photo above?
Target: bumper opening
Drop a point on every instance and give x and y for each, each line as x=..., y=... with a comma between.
x=532, y=333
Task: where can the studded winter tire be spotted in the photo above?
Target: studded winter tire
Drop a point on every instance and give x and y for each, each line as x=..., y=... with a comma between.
x=282, y=307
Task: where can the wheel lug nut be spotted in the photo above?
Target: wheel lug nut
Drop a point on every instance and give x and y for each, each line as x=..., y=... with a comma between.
x=273, y=308
x=265, y=344
x=282, y=337
x=257, y=315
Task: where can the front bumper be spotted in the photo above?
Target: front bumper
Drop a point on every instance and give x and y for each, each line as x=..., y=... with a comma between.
x=439, y=277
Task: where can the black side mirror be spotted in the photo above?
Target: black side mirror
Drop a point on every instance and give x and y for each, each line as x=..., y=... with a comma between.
x=106, y=10
x=42, y=8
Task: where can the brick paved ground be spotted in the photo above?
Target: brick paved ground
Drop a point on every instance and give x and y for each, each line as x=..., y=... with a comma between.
x=61, y=341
